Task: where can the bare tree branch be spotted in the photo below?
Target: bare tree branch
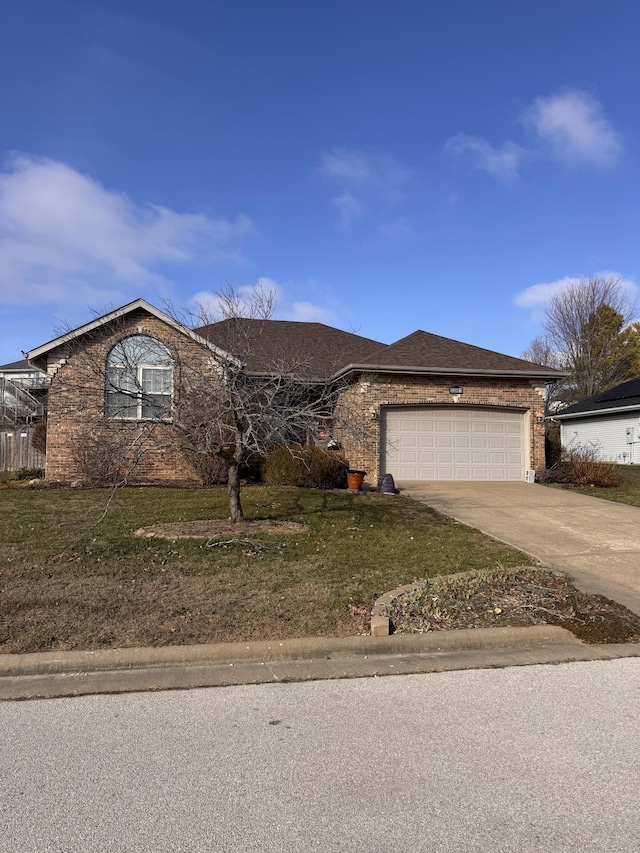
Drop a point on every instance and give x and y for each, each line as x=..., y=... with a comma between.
x=588, y=332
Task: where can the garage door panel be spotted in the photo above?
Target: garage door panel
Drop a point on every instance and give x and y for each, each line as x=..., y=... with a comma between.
x=453, y=444
x=404, y=440
x=426, y=441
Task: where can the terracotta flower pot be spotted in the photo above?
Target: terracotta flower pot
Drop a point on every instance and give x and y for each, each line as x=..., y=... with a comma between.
x=355, y=479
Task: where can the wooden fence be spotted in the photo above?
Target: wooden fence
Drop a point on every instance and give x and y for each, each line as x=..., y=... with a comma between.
x=16, y=451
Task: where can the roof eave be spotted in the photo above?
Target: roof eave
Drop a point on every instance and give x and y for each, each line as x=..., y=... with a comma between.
x=33, y=355
x=550, y=376
x=588, y=412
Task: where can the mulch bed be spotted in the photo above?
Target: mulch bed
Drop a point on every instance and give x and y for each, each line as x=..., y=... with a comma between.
x=207, y=529
x=512, y=598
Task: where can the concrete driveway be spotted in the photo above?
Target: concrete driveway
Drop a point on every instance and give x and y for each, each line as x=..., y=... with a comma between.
x=597, y=542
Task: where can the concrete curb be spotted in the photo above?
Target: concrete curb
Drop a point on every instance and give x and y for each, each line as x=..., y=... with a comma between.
x=189, y=676
x=101, y=660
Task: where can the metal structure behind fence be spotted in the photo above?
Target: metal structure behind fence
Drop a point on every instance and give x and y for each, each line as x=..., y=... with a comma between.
x=16, y=451
x=17, y=405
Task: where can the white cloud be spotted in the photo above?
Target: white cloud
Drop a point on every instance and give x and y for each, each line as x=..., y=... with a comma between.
x=538, y=295
x=64, y=237
x=350, y=167
x=309, y=313
x=573, y=125
x=571, y=128
x=208, y=304
x=395, y=229
x=247, y=297
x=375, y=172
x=364, y=181
x=349, y=208
x=502, y=163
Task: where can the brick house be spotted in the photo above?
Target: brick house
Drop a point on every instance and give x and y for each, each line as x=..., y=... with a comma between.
x=434, y=408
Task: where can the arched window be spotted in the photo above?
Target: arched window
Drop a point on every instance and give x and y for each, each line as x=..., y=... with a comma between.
x=139, y=379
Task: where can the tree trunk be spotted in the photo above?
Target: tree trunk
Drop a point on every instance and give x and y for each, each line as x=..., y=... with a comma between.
x=234, y=485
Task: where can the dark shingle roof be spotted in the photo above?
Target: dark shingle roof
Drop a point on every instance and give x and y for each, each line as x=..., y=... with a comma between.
x=21, y=365
x=623, y=396
x=316, y=350
x=422, y=349
x=312, y=350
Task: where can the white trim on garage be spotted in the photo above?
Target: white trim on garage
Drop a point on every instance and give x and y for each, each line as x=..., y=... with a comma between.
x=439, y=442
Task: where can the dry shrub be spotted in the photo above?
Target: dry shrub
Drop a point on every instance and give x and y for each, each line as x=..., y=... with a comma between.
x=109, y=453
x=582, y=466
x=552, y=443
x=38, y=437
x=309, y=466
x=211, y=469
x=587, y=469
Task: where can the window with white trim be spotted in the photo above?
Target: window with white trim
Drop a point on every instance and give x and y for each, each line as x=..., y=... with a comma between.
x=139, y=380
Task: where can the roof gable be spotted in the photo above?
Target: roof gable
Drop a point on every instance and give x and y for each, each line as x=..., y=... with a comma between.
x=38, y=355
x=423, y=351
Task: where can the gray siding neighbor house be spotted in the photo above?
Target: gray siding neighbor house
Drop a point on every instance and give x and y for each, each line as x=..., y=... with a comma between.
x=608, y=422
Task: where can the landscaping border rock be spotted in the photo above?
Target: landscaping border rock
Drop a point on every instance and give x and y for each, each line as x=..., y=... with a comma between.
x=380, y=619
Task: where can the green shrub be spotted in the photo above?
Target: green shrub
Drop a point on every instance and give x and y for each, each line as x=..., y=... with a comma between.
x=311, y=467
x=29, y=474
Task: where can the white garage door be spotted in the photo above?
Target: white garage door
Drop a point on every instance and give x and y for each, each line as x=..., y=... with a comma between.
x=452, y=443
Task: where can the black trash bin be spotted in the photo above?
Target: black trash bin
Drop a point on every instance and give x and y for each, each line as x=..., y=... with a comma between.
x=386, y=486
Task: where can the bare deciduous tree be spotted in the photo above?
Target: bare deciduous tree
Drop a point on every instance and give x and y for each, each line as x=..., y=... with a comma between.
x=588, y=332
x=253, y=396
x=222, y=394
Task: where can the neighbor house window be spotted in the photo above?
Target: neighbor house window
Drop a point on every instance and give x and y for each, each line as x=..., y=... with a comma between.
x=139, y=379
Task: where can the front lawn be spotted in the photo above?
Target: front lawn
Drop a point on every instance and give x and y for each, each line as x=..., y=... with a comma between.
x=628, y=492
x=73, y=576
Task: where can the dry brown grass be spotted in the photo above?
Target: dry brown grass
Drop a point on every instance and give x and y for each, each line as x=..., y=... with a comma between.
x=513, y=598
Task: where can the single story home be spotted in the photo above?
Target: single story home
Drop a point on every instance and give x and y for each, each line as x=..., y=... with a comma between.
x=435, y=408
x=608, y=422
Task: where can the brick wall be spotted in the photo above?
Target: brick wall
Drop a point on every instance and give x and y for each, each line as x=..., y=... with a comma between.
x=79, y=435
x=76, y=426
x=368, y=396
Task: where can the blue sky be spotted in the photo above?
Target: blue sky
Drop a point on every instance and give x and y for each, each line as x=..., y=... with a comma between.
x=387, y=165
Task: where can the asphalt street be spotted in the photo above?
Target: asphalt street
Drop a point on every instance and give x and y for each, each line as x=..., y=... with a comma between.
x=540, y=758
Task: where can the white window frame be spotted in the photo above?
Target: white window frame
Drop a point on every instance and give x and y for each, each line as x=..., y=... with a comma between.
x=140, y=397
